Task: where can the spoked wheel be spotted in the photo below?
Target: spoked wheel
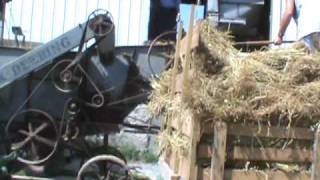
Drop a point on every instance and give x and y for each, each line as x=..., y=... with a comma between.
x=68, y=80
x=34, y=136
x=101, y=22
x=104, y=167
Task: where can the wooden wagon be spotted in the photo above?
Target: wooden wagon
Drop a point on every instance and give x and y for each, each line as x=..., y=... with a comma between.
x=210, y=153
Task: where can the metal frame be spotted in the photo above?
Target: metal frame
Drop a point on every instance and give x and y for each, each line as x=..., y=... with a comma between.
x=43, y=55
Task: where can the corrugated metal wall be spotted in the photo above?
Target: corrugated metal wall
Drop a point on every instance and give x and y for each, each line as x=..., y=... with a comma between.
x=43, y=20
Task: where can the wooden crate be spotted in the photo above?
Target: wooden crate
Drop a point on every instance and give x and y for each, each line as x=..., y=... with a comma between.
x=217, y=152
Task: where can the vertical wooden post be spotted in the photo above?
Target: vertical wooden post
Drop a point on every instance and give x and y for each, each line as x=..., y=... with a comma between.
x=315, y=173
x=185, y=89
x=176, y=59
x=173, y=86
x=193, y=169
x=219, y=151
x=188, y=168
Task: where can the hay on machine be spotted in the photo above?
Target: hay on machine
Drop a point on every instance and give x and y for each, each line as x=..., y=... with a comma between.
x=270, y=87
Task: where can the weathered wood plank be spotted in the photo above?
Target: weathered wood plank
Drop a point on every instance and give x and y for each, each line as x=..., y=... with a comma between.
x=267, y=154
x=315, y=174
x=270, y=175
x=192, y=158
x=185, y=128
x=195, y=42
x=176, y=60
x=261, y=175
x=186, y=67
x=251, y=131
x=266, y=131
x=219, y=149
x=271, y=154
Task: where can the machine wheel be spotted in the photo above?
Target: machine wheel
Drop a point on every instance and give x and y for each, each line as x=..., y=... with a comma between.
x=68, y=80
x=104, y=167
x=34, y=136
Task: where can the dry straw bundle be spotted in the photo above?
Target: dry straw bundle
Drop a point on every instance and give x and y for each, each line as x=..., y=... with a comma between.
x=275, y=86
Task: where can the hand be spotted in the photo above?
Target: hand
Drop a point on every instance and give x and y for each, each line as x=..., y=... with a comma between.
x=278, y=41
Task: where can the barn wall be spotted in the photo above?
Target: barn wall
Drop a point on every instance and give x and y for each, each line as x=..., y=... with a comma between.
x=43, y=20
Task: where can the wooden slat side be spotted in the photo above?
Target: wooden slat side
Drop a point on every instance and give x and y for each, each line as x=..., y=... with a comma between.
x=270, y=175
x=267, y=154
x=271, y=154
x=266, y=131
x=315, y=174
x=260, y=175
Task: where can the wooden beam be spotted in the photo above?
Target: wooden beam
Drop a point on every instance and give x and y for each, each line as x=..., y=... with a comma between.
x=176, y=60
x=266, y=131
x=219, y=149
x=269, y=175
x=267, y=154
x=195, y=41
x=262, y=175
x=188, y=168
x=186, y=68
x=192, y=158
x=315, y=174
x=173, y=84
x=271, y=154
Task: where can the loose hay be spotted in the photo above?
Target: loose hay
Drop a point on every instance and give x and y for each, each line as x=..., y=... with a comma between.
x=274, y=86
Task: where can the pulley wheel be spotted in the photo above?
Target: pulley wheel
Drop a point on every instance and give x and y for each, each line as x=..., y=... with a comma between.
x=104, y=167
x=97, y=100
x=34, y=136
x=66, y=80
x=101, y=22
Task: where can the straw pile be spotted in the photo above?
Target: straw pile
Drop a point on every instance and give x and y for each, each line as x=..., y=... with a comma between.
x=273, y=87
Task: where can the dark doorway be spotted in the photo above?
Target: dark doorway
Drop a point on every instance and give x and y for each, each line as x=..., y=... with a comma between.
x=163, y=19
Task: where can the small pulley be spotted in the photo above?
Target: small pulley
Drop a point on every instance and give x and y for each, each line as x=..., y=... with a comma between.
x=73, y=107
x=101, y=22
x=97, y=100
